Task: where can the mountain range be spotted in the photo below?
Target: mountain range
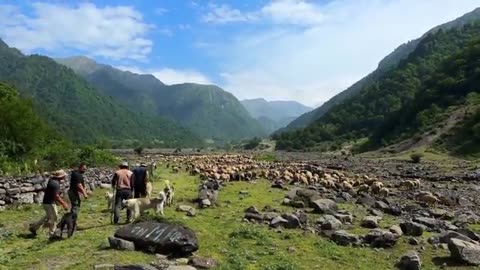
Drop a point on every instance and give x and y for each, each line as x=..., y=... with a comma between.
x=424, y=94
x=206, y=110
x=274, y=115
x=387, y=63
x=76, y=110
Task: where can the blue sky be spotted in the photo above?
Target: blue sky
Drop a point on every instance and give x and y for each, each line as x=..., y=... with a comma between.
x=277, y=49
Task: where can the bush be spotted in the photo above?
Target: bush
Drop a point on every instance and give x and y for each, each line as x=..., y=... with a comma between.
x=253, y=143
x=416, y=157
x=138, y=150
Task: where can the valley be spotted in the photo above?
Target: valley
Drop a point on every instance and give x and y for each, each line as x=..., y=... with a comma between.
x=238, y=163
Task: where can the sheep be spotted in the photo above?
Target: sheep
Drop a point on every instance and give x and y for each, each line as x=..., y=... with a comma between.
x=384, y=192
x=429, y=199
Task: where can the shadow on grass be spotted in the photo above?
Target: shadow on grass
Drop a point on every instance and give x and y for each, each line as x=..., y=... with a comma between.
x=94, y=227
x=26, y=236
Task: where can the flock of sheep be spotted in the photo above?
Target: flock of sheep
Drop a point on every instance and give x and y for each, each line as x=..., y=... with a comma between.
x=244, y=168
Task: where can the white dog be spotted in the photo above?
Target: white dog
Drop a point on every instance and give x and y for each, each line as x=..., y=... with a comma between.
x=139, y=205
x=169, y=192
x=109, y=198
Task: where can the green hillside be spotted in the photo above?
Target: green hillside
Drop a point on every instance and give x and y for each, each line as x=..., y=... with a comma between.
x=207, y=110
x=75, y=109
x=387, y=63
x=403, y=102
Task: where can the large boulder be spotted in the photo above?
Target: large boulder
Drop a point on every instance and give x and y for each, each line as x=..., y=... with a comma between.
x=378, y=238
x=411, y=228
x=447, y=236
x=343, y=238
x=163, y=238
x=325, y=206
x=410, y=261
x=465, y=252
x=329, y=222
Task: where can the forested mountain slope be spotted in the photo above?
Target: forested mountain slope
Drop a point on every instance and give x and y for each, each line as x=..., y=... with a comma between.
x=390, y=61
x=403, y=101
x=207, y=110
x=75, y=109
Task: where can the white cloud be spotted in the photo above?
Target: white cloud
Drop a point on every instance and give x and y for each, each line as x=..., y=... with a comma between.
x=112, y=32
x=290, y=12
x=171, y=76
x=326, y=55
x=225, y=14
x=293, y=12
x=161, y=11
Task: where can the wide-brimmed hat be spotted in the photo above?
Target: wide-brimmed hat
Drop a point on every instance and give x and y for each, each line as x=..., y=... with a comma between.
x=124, y=164
x=59, y=174
x=143, y=164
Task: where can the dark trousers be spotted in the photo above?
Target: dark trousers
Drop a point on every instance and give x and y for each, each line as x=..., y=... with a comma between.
x=140, y=192
x=75, y=201
x=121, y=194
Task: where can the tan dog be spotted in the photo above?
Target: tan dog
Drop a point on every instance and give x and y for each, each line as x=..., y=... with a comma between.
x=149, y=189
x=109, y=198
x=139, y=205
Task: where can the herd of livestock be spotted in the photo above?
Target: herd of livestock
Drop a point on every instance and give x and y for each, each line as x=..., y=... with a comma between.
x=225, y=168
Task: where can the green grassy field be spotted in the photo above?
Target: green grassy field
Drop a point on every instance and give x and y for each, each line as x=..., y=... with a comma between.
x=221, y=232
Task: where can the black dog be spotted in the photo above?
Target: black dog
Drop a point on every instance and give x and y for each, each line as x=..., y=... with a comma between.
x=68, y=221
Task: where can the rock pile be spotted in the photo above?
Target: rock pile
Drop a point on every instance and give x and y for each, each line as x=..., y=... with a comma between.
x=30, y=189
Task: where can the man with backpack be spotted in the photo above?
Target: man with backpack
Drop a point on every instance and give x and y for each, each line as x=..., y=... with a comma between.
x=140, y=179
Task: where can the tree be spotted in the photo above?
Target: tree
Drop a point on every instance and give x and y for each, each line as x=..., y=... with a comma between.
x=138, y=150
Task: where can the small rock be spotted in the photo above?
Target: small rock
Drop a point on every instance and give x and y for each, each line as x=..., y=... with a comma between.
x=413, y=241
x=286, y=201
x=370, y=222
x=243, y=192
x=344, y=218
x=396, y=230
x=298, y=204
x=343, y=238
x=192, y=212
x=104, y=267
x=183, y=208
x=375, y=212
x=253, y=210
x=381, y=205
x=410, y=261
x=329, y=222
x=182, y=261
x=181, y=267
x=202, y=263
x=291, y=249
x=120, y=244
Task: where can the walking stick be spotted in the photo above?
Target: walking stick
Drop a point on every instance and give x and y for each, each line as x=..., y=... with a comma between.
x=112, y=214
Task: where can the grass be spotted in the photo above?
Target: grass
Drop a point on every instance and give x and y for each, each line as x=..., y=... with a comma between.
x=221, y=232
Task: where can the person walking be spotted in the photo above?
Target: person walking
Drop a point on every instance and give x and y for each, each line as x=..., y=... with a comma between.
x=77, y=188
x=122, y=184
x=140, y=179
x=51, y=197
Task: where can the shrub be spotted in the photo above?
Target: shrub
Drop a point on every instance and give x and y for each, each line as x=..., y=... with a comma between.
x=416, y=157
x=138, y=150
x=253, y=143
